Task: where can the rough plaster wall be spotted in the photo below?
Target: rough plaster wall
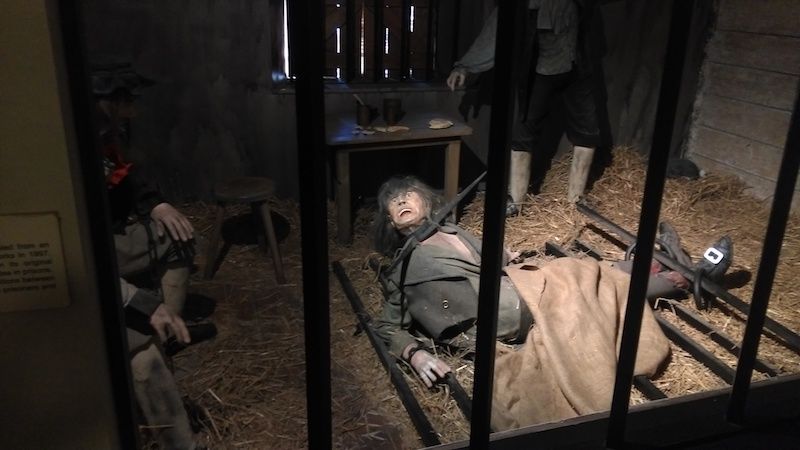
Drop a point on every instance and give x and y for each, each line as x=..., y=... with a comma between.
x=750, y=80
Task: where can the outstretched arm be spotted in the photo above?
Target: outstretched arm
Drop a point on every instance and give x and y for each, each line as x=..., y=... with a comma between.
x=428, y=367
x=480, y=56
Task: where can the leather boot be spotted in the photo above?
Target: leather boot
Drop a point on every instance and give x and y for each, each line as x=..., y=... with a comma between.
x=579, y=172
x=174, y=284
x=672, y=244
x=520, y=175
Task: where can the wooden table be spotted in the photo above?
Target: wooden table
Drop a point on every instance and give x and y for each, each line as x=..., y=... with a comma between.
x=341, y=140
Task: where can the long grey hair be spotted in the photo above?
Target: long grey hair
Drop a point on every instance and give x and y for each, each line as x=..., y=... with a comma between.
x=386, y=238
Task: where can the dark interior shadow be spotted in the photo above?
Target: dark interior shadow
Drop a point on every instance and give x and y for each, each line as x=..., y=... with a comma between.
x=737, y=279
x=245, y=229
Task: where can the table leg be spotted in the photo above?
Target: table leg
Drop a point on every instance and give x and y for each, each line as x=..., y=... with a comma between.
x=451, y=161
x=344, y=225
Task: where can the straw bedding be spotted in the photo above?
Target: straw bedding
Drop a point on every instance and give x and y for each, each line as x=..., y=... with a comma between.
x=249, y=381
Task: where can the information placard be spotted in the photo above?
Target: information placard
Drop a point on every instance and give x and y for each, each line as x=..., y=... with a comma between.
x=32, y=272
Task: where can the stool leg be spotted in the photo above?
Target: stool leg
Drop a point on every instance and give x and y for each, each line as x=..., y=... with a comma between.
x=273, y=242
x=258, y=223
x=213, y=245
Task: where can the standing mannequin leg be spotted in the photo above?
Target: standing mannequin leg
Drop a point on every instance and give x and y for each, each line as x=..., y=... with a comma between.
x=579, y=172
x=520, y=175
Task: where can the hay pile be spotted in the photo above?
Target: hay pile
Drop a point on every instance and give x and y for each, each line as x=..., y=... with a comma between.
x=250, y=379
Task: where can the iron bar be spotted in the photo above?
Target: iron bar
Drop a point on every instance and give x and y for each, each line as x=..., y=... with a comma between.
x=306, y=25
x=405, y=40
x=554, y=250
x=415, y=412
x=585, y=248
x=105, y=271
x=668, y=96
x=699, y=353
x=431, y=42
x=642, y=383
x=650, y=390
x=717, y=336
x=459, y=395
x=351, y=46
x=493, y=223
x=789, y=337
x=377, y=43
x=695, y=321
x=776, y=227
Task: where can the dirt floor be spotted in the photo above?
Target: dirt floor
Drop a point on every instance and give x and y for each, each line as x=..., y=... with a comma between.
x=249, y=381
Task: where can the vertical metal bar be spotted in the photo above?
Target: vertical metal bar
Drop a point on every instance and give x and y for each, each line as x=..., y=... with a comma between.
x=776, y=227
x=377, y=43
x=430, y=44
x=648, y=220
x=493, y=227
x=72, y=37
x=351, y=46
x=306, y=24
x=405, y=40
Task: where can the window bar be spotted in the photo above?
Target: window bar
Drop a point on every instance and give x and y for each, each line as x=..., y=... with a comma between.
x=351, y=41
x=405, y=40
x=377, y=44
x=306, y=20
x=493, y=227
x=648, y=220
x=776, y=227
x=430, y=44
x=106, y=275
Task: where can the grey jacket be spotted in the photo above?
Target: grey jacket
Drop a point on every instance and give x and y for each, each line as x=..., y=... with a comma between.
x=557, y=25
x=437, y=297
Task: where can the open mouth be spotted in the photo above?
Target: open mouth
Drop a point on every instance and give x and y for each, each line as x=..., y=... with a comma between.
x=405, y=211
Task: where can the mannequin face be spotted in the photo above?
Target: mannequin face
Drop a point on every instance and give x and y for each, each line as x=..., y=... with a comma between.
x=407, y=211
x=122, y=109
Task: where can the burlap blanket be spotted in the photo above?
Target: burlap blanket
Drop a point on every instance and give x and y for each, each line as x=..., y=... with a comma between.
x=567, y=365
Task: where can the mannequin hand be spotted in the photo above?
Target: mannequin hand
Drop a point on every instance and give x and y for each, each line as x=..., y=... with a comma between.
x=164, y=321
x=428, y=367
x=167, y=217
x=456, y=78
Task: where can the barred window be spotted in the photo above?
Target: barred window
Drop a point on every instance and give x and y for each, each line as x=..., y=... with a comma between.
x=372, y=41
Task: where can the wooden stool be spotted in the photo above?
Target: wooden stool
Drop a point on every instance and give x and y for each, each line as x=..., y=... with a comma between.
x=255, y=191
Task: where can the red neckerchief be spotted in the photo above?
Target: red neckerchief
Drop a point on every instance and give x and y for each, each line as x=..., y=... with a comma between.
x=111, y=151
